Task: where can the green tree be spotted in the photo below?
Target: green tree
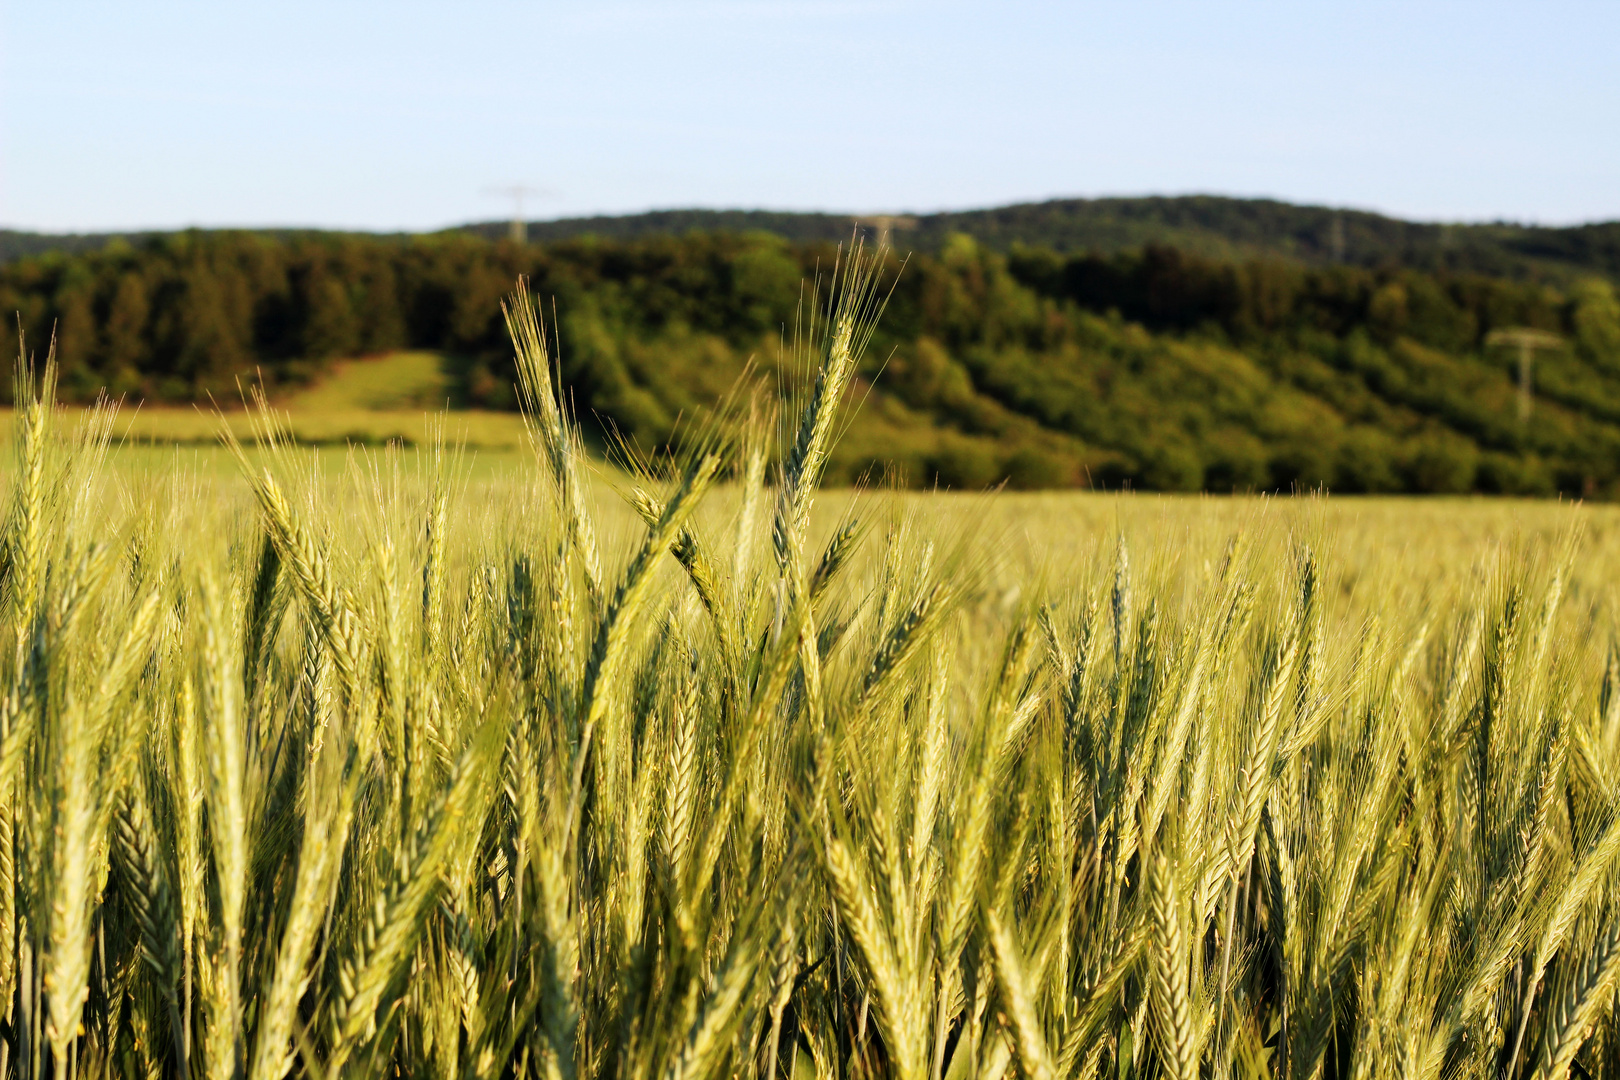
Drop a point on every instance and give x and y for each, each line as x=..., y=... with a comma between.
x=124, y=345
x=332, y=327
x=1596, y=321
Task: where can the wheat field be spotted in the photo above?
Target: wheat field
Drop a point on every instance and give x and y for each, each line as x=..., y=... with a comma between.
x=691, y=770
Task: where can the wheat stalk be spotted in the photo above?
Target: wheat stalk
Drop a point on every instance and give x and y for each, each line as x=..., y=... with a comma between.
x=1579, y=1000
x=552, y=431
x=1172, y=997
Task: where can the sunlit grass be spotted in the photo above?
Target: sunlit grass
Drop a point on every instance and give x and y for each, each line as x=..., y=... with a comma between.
x=372, y=401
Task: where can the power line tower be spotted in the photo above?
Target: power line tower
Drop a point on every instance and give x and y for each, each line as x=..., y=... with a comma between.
x=1527, y=340
x=886, y=224
x=518, y=230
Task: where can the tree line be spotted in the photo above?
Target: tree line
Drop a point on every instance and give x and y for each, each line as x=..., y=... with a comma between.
x=1155, y=367
x=1209, y=225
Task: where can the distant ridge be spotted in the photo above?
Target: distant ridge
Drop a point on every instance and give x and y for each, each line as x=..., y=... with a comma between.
x=18, y=244
x=1211, y=225
x=1215, y=226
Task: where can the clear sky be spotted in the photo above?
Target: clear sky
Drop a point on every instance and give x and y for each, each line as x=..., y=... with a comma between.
x=358, y=113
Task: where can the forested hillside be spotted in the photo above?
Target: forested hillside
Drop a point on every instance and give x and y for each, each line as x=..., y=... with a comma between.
x=1215, y=226
x=1204, y=224
x=20, y=244
x=1158, y=367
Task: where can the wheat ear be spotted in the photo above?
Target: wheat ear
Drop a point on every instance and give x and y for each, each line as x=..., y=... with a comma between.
x=152, y=904
x=1578, y=1003
x=551, y=431
x=1018, y=993
x=1172, y=999
x=609, y=651
x=445, y=829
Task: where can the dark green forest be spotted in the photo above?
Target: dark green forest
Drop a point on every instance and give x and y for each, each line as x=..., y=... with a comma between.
x=1154, y=366
x=1215, y=226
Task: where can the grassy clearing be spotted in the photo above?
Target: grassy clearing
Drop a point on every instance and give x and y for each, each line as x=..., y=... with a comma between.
x=399, y=397
x=410, y=381
x=391, y=770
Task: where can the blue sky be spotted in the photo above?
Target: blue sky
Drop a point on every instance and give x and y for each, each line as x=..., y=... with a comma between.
x=363, y=114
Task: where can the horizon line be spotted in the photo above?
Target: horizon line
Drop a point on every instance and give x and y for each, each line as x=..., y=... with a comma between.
x=855, y=215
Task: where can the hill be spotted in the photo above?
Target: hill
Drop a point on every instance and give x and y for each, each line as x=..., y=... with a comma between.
x=21, y=244
x=1213, y=226
x=1159, y=368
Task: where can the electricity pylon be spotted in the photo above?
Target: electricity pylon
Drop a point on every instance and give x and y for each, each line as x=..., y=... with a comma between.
x=518, y=230
x=1527, y=341
x=885, y=224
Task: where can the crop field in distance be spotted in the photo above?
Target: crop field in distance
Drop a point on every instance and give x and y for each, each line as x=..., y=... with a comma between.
x=372, y=401
x=492, y=762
